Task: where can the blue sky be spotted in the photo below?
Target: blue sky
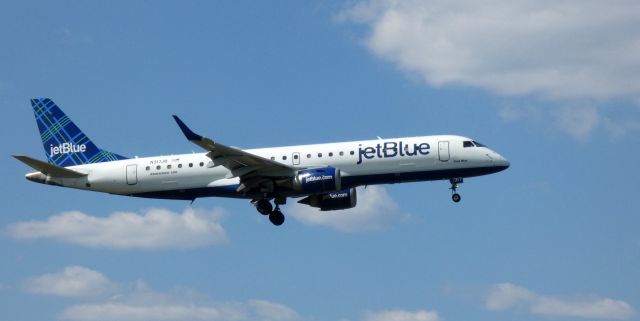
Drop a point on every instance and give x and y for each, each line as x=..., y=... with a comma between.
x=554, y=87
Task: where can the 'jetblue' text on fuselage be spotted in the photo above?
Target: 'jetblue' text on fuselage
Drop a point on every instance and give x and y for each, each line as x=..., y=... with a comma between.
x=392, y=149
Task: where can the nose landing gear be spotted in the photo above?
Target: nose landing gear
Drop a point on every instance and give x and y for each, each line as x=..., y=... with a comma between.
x=454, y=187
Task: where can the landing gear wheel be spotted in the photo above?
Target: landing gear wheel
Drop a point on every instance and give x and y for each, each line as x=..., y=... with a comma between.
x=276, y=217
x=264, y=207
x=454, y=187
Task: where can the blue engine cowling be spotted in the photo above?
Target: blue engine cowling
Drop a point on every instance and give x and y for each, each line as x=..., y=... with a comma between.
x=317, y=180
x=340, y=200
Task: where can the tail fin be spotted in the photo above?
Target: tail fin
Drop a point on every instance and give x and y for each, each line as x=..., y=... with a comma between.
x=64, y=143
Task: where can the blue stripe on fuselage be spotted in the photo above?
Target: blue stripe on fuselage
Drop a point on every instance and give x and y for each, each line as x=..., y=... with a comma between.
x=347, y=182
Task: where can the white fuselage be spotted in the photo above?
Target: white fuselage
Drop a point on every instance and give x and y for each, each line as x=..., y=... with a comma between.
x=382, y=161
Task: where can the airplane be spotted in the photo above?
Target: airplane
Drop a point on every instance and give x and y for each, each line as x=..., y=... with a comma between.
x=323, y=176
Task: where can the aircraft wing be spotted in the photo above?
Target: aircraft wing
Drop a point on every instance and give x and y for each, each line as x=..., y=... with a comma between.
x=252, y=169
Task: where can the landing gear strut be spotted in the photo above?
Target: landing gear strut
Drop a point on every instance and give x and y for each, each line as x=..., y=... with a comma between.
x=265, y=207
x=276, y=217
x=454, y=187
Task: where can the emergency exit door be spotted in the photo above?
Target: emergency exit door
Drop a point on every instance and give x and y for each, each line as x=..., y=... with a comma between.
x=132, y=174
x=443, y=151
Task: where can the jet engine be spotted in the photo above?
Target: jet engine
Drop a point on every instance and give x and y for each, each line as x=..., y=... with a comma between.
x=317, y=180
x=340, y=200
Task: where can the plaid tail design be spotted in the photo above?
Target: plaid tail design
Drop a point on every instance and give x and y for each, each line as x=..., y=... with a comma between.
x=64, y=143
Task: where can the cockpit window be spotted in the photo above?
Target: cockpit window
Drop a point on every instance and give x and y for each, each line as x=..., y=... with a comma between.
x=478, y=144
x=467, y=143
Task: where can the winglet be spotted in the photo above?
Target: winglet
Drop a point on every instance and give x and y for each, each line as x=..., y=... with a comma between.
x=186, y=131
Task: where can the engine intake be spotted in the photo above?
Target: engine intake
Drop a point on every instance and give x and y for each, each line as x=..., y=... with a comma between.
x=340, y=200
x=317, y=180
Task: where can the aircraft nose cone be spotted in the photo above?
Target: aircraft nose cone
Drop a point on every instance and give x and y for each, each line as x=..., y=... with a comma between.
x=501, y=162
x=498, y=161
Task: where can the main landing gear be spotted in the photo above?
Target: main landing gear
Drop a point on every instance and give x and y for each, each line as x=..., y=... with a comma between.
x=264, y=207
x=454, y=187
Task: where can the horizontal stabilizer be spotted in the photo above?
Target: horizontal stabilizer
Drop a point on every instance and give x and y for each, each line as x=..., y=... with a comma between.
x=49, y=169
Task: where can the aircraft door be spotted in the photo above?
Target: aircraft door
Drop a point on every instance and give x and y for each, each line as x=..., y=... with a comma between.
x=443, y=151
x=132, y=174
x=295, y=158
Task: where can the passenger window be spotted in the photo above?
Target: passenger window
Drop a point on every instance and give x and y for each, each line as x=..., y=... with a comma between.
x=351, y=153
x=158, y=167
x=330, y=154
x=190, y=164
x=179, y=165
x=148, y=168
x=308, y=155
x=273, y=158
x=467, y=143
x=295, y=156
x=341, y=153
x=319, y=154
x=284, y=157
x=168, y=166
x=201, y=164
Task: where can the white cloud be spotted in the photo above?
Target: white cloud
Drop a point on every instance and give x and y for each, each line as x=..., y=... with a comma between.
x=401, y=315
x=578, y=122
x=558, y=49
x=507, y=296
x=111, y=301
x=103, y=300
x=142, y=303
x=620, y=127
x=511, y=113
x=124, y=312
x=592, y=308
x=566, y=52
x=375, y=210
x=272, y=311
x=73, y=281
x=153, y=229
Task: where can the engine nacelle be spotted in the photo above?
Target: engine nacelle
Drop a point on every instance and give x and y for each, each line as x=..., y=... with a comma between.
x=317, y=180
x=340, y=200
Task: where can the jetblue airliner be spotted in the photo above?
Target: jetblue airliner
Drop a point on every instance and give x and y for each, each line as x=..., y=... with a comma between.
x=322, y=175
